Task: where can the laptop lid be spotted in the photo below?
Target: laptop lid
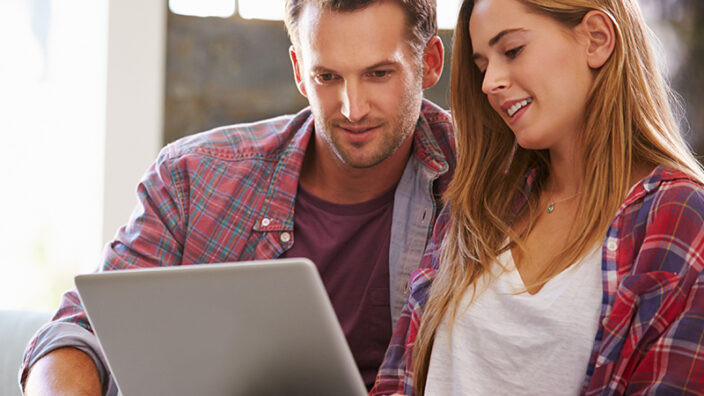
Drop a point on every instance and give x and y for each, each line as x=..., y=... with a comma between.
x=247, y=328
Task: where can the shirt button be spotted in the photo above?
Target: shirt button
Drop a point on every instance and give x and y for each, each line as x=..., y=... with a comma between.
x=612, y=245
x=266, y=222
x=285, y=237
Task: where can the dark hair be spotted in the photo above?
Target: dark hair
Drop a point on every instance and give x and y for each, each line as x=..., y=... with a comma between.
x=421, y=17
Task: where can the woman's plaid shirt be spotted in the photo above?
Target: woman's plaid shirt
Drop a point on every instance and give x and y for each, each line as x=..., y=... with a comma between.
x=651, y=329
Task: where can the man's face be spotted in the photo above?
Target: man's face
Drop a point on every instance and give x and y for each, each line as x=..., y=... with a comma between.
x=362, y=80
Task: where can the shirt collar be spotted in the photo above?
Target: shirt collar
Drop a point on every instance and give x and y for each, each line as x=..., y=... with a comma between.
x=277, y=212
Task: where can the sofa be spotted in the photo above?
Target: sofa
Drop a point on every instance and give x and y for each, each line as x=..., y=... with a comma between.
x=16, y=329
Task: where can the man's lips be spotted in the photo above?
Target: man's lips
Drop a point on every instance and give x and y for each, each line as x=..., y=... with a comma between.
x=357, y=129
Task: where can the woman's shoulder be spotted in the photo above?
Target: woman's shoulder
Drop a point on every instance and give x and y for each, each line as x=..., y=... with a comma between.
x=668, y=203
x=667, y=187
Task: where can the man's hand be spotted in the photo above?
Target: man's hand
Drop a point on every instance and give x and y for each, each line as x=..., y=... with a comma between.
x=65, y=371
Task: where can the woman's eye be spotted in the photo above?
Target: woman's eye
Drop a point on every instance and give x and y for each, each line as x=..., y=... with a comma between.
x=513, y=52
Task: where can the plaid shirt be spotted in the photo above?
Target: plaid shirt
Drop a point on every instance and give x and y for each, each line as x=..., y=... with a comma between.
x=229, y=195
x=651, y=328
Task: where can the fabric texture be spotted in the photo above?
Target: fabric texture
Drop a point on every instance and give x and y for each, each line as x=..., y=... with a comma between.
x=650, y=338
x=349, y=245
x=228, y=195
x=500, y=330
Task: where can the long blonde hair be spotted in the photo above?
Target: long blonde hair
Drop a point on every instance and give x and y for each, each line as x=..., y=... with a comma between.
x=628, y=120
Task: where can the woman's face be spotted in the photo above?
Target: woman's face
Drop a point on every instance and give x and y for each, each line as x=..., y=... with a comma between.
x=536, y=75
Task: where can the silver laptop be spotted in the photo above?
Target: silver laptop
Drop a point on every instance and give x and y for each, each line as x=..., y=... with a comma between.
x=248, y=328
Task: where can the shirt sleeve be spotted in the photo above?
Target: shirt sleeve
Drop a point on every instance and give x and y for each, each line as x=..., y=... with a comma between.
x=396, y=372
x=152, y=237
x=675, y=362
x=672, y=343
x=57, y=335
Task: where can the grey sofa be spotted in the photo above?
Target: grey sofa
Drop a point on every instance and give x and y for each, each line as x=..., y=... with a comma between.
x=16, y=329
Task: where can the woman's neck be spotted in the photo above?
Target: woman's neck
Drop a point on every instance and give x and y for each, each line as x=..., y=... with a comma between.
x=565, y=173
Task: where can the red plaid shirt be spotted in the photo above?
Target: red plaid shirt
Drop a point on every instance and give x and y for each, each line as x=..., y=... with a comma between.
x=651, y=328
x=229, y=195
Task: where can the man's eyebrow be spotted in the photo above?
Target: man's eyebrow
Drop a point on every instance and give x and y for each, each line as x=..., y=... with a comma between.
x=385, y=63
x=320, y=69
x=496, y=39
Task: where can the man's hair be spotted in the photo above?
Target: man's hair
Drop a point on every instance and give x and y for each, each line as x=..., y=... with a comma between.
x=421, y=17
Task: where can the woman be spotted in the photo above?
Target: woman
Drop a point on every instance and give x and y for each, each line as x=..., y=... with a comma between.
x=569, y=257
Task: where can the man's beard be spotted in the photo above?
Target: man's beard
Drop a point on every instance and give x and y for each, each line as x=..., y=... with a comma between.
x=394, y=133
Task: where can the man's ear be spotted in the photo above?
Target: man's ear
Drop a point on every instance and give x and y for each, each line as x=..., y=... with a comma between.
x=296, y=64
x=433, y=58
x=600, y=36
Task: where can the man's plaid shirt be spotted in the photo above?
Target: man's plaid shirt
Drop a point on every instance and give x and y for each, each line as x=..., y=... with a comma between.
x=651, y=329
x=229, y=195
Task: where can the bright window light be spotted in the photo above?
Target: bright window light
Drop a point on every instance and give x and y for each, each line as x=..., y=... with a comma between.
x=52, y=96
x=274, y=10
x=447, y=13
x=262, y=9
x=203, y=8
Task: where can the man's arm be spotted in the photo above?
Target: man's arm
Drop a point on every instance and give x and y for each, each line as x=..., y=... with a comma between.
x=64, y=371
x=152, y=237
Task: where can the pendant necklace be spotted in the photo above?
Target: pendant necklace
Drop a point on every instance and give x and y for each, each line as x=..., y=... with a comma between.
x=551, y=206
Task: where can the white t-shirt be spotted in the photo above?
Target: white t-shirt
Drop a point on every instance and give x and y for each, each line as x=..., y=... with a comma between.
x=520, y=344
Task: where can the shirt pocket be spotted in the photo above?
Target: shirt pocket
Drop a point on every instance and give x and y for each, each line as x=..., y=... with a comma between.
x=644, y=306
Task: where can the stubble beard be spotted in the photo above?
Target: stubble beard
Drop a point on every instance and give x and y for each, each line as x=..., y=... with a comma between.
x=393, y=132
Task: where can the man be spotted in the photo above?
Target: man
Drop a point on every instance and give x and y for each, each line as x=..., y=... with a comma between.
x=353, y=183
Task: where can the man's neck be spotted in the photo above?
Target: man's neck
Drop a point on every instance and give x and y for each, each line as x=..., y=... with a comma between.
x=326, y=177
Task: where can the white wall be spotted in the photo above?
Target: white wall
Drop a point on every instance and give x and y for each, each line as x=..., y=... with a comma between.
x=134, y=106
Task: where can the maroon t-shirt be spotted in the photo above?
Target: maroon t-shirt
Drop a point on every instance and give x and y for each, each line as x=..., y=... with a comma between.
x=350, y=246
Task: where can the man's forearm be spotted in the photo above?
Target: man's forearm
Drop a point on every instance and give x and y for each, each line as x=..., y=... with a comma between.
x=64, y=371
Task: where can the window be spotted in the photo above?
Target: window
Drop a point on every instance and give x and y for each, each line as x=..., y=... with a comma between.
x=274, y=9
x=52, y=74
x=203, y=8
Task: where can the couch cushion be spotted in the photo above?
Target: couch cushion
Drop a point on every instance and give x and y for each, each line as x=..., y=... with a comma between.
x=16, y=329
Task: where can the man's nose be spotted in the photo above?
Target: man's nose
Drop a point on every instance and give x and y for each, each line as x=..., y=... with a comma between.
x=355, y=105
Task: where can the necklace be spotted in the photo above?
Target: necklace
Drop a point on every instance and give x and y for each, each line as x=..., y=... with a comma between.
x=551, y=206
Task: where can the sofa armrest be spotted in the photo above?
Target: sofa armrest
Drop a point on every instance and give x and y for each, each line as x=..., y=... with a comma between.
x=16, y=329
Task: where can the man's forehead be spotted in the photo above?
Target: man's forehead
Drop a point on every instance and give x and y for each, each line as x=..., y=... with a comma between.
x=376, y=33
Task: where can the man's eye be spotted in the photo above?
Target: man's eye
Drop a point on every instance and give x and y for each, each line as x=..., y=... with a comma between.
x=379, y=73
x=513, y=52
x=324, y=77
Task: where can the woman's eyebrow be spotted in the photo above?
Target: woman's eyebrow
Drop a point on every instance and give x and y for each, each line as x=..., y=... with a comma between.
x=496, y=39
x=503, y=33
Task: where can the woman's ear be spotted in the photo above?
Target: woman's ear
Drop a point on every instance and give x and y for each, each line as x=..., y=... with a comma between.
x=598, y=30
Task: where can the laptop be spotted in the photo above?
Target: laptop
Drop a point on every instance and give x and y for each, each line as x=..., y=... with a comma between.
x=246, y=328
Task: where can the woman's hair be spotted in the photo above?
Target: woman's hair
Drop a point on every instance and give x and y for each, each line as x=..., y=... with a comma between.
x=628, y=120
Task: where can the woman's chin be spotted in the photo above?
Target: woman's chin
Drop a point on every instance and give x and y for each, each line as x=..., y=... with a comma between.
x=528, y=143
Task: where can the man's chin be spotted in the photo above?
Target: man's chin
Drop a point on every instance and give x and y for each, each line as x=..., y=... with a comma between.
x=360, y=161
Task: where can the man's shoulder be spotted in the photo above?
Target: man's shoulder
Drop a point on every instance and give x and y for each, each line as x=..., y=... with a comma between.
x=436, y=115
x=243, y=141
x=435, y=138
